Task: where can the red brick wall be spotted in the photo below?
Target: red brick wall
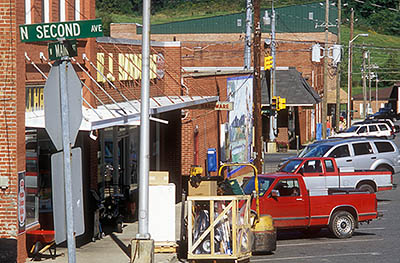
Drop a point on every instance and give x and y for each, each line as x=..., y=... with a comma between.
x=203, y=120
x=12, y=121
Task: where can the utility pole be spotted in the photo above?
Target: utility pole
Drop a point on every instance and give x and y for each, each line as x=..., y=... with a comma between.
x=247, y=41
x=369, y=79
x=350, y=70
x=325, y=97
x=364, y=79
x=337, y=112
x=376, y=91
x=257, y=87
x=273, y=117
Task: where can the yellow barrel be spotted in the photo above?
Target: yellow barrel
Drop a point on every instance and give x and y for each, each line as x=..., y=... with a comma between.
x=264, y=235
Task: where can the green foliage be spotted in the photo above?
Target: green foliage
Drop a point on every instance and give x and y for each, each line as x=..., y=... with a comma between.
x=115, y=6
x=106, y=20
x=379, y=19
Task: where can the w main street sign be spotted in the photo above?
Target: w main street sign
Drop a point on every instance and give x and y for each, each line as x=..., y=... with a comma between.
x=61, y=30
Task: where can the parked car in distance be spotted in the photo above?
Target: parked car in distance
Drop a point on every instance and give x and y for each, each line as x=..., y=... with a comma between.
x=395, y=127
x=380, y=129
x=384, y=113
x=358, y=153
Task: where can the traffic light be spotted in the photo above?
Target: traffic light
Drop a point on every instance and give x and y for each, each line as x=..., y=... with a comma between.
x=274, y=103
x=268, y=61
x=282, y=103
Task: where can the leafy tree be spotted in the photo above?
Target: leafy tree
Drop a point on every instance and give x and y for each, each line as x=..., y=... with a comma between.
x=115, y=6
x=380, y=19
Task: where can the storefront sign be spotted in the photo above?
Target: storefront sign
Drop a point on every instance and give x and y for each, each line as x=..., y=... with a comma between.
x=34, y=99
x=21, y=202
x=223, y=105
x=65, y=30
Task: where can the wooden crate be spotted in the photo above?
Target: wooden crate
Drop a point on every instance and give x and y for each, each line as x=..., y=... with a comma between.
x=227, y=217
x=165, y=247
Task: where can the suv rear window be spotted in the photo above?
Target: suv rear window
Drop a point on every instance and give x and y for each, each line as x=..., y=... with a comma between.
x=372, y=128
x=384, y=147
x=383, y=127
x=362, y=148
x=341, y=151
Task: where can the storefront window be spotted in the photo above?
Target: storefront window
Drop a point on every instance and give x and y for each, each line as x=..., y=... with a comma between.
x=32, y=172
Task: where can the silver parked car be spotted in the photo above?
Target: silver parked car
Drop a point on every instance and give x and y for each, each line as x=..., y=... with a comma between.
x=358, y=153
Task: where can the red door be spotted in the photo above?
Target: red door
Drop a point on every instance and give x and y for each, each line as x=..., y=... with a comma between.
x=290, y=208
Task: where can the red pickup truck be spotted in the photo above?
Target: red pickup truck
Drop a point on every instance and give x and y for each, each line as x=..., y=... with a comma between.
x=322, y=173
x=286, y=198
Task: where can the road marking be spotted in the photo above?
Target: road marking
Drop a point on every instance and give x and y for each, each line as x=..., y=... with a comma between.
x=319, y=256
x=372, y=228
x=332, y=242
x=383, y=203
x=382, y=210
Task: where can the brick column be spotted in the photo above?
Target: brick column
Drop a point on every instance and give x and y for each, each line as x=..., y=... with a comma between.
x=12, y=131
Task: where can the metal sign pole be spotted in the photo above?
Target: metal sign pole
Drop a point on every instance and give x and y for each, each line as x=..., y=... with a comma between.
x=144, y=157
x=67, y=161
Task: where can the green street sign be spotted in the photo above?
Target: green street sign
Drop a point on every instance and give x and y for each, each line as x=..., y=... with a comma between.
x=61, y=30
x=58, y=50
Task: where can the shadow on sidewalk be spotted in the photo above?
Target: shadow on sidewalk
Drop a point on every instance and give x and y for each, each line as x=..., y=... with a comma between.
x=122, y=246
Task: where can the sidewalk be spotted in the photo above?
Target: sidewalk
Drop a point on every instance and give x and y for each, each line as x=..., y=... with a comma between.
x=114, y=247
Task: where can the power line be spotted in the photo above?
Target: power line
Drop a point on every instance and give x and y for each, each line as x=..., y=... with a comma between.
x=376, y=5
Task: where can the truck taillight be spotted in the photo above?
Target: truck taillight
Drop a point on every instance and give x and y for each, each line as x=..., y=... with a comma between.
x=391, y=179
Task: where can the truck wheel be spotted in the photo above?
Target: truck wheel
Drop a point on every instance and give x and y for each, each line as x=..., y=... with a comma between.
x=366, y=188
x=342, y=224
x=384, y=167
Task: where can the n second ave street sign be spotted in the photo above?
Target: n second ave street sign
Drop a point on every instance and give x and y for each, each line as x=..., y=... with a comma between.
x=66, y=30
x=58, y=50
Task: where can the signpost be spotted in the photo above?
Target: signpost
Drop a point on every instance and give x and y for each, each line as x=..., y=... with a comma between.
x=62, y=96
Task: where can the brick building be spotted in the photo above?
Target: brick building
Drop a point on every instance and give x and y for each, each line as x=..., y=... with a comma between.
x=109, y=70
x=213, y=51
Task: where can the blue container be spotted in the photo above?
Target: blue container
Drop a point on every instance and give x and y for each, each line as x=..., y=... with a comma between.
x=319, y=131
x=211, y=160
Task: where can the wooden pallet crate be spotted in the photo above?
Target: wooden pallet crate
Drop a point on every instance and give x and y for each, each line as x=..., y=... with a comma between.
x=219, y=228
x=165, y=247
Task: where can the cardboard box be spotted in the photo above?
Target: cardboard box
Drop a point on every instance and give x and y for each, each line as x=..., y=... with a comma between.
x=158, y=177
x=206, y=188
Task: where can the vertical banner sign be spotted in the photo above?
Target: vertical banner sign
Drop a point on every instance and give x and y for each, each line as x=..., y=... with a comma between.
x=21, y=202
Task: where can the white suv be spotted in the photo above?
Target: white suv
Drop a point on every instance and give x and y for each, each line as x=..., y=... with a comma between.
x=360, y=154
x=372, y=129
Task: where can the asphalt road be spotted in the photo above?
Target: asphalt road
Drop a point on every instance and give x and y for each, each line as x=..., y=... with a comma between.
x=378, y=241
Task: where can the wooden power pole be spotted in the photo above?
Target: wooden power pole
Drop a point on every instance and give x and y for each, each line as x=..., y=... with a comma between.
x=337, y=112
x=325, y=97
x=257, y=88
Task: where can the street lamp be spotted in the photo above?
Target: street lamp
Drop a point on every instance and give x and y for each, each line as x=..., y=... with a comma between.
x=349, y=69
